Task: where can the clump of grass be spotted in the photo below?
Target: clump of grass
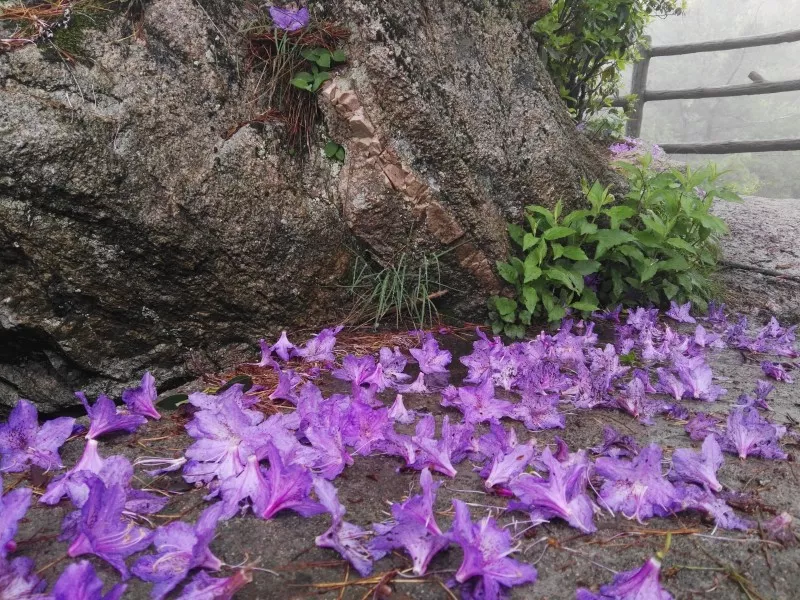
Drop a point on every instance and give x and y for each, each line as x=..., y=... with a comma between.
x=277, y=56
x=405, y=290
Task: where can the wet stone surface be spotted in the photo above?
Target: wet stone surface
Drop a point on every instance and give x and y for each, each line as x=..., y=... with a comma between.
x=702, y=562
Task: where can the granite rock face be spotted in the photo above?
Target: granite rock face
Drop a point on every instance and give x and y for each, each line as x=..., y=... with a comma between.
x=136, y=234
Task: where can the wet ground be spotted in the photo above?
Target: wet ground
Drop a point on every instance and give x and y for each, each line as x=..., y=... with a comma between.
x=702, y=562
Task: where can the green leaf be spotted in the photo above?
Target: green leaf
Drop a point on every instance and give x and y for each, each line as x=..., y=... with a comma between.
x=516, y=233
x=670, y=289
x=515, y=331
x=538, y=253
x=586, y=267
x=618, y=214
x=319, y=79
x=525, y=317
x=531, y=271
x=172, y=402
x=647, y=270
x=556, y=233
x=505, y=306
x=529, y=241
x=676, y=263
x=584, y=306
x=682, y=245
x=507, y=272
x=531, y=298
x=557, y=249
x=339, y=56
x=301, y=83
x=729, y=195
x=331, y=148
x=574, y=253
x=575, y=217
x=244, y=380
x=324, y=59
x=608, y=238
x=340, y=154
x=541, y=210
x=588, y=228
x=573, y=281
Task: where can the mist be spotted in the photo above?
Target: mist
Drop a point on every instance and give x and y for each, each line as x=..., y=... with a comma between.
x=770, y=174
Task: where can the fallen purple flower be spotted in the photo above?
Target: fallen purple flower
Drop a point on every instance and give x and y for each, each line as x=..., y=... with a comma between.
x=105, y=418
x=180, y=547
x=776, y=371
x=750, y=434
x=701, y=425
x=505, y=467
x=779, y=529
x=486, y=559
x=398, y=412
x=288, y=19
x=699, y=467
x=680, y=313
x=284, y=348
x=417, y=387
x=538, y=412
x=205, y=587
x=13, y=507
x=80, y=582
x=22, y=441
x=616, y=445
x=320, y=347
x=697, y=377
x=636, y=584
x=141, y=400
x=19, y=581
x=430, y=358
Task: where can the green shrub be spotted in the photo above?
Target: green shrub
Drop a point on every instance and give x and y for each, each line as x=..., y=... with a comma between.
x=588, y=43
x=658, y=243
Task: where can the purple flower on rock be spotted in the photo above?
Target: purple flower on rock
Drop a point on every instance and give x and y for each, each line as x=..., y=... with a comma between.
x=355, y=369
x=680, y=312
x=538, y=412
x=763, y=389
x=562, y=494
x=205, y=587
x=289, y=487
x=413, y=527
x=180, y=547
x=506, y=466
x=18, y=581
x=616, y=445
x=416, y=387
x=486, y=567
x=284, y=348
x=479, y=403
x=13, y=507
x=637, y=584
x=697, y=498
x=140, y=400
x=288, y=19
x=636, y=488
x=345, y=538
x=320, y=347
x=398, y=412
x=699, y=467
x=430, y=358
x=22, y=441
x=80, y=582
x=707, y=340
x=779, y=529
x=436, y=454
x=697, y=378
x=776, y=371
x=287, y=382
x=701, y=425
x=105, y=418
x=103, y=531
x=750, y=434
x=668, y=383
x=393, y=363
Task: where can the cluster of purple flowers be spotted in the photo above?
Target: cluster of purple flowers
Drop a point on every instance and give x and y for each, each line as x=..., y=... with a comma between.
x=247, y=462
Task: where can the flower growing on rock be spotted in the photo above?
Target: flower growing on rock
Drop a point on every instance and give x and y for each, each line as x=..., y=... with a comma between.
x=636, y=584
x=22, y=441
x=180, y=547
x=141, y=400
x=486, y=567
x=103, y=531
x=342, y=536
x=413, y=528
x=699, y=467
x=105, y=418
x=80, y=582
x=13, y=507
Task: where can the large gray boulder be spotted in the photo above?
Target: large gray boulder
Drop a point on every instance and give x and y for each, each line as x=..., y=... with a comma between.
x=135, y=233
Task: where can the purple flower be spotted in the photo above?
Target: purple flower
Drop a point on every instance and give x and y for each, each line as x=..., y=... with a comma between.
x=398, y=412
x=342, y=536
x=776, y=371
x=287, y=382
x=696, y=498
x=284, y=348
x=417, y=387
x=616, y=445
x=355, y=369
x=104, y=532
x=697, y=377
x=320, y=347
x=479, y=403
x=779, y=528
x=288, y=19
x=680, y=313
x=430, y=358
x=668, y=383
x=106, y=419
x=749, y=434
x=486, y=556
x=180, y=547
x=642, y=318
x=90, y=461
x=140, y=400
x=608, y=315
x=707, y=340
x=562, y=494
x=699, y=467
x=413, y=528
x=437, y=455
x=636, y=488
x=701, y=425
x=205, y=587
x=763, y=389
x=636, y=584
x=288, y=489
x=506, y=466
x=18, y=581
x=22, y=441
x=393, y=364
x=716, y=314
x=13, y=507
x=538, y=412
x=80, y=582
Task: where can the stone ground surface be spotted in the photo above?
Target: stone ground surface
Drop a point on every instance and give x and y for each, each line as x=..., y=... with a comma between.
x=699, y=565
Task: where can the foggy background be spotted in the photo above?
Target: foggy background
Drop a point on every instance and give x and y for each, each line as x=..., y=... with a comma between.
x=771, y=174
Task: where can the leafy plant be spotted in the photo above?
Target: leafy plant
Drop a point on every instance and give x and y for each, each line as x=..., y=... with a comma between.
x=334, y=151
x=658, y=243
x=405, y=289
x=606, y=125
x=588, y=43
x=321, y=60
